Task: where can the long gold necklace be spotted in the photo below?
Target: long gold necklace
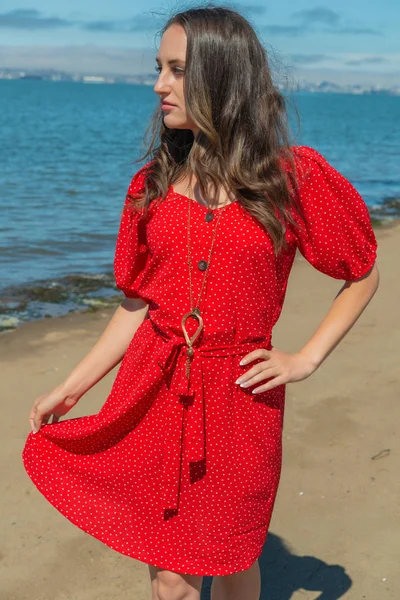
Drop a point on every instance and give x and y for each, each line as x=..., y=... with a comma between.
x=195, y=310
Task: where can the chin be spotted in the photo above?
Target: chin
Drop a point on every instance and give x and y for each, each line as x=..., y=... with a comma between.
x=174, y=123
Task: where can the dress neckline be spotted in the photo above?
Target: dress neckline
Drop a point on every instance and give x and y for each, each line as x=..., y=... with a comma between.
x=201, y=206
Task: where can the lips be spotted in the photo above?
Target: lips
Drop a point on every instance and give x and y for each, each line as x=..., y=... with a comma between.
x=167, y=103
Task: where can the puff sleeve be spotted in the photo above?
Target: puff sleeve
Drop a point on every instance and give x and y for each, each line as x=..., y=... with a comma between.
x=337, y=237
x=131, y=251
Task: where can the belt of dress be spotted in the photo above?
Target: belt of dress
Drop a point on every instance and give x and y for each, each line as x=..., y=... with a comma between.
x=186, y=429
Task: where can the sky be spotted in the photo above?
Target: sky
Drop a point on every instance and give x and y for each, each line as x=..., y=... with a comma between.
x=355, y=41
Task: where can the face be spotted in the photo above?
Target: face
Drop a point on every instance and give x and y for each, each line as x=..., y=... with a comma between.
x=169, y=86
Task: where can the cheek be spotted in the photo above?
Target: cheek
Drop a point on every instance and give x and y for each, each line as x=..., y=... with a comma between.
x=179, y=94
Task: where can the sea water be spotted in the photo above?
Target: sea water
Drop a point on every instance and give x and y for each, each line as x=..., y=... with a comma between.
x=67, y=157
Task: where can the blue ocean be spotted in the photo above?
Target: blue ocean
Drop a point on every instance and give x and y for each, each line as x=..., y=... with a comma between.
x=67, y=157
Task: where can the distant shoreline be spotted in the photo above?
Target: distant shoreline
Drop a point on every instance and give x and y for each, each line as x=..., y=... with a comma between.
x=324, y=87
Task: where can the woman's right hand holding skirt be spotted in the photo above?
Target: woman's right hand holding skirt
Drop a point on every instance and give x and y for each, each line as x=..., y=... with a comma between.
x=55, y=403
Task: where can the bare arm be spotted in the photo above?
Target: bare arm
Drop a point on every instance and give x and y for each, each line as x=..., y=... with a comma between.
x=280, y=368
x=107, y=352
x=348, y=305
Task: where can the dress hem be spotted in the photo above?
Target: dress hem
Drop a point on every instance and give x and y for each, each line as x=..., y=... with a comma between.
x=141, y=557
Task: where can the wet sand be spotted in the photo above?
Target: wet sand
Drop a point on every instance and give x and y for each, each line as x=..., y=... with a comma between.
x=335, y=528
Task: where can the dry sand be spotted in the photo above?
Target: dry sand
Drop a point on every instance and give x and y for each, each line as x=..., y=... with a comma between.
x=335, y=530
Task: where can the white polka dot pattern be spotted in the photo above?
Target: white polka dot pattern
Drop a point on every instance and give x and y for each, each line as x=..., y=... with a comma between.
x=115, y=474
x=339, y=240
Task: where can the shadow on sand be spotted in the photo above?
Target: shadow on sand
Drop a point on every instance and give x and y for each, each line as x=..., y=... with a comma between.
x=283, y=573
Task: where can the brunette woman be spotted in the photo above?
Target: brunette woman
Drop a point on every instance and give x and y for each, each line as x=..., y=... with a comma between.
x=180, y=467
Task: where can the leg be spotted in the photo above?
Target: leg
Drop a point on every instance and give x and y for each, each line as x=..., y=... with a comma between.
x=168, y=585
x=153, y=579
x=245, y=585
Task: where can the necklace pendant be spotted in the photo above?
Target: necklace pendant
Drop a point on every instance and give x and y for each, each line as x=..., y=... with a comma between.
x=195, y=313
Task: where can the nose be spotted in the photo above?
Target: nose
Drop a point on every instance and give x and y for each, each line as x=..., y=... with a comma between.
x=161, y=86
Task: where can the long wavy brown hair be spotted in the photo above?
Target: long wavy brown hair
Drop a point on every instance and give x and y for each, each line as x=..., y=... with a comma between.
x=243, y=143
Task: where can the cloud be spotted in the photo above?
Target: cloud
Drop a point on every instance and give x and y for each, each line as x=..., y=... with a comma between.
x=307, y=59
x=30, y=19
x=317, y=20
x=290, y=30
x=367, y=60
x=140, y=23
x=356, y=31
x=342, y=60
x=317, y=15
x=101, y=26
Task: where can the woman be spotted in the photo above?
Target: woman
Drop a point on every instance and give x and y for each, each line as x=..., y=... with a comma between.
x=180, y=467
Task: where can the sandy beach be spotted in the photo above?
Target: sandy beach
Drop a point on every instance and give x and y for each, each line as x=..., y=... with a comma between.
x=335, y=529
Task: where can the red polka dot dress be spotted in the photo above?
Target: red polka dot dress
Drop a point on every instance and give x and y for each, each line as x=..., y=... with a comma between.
x=184, y=477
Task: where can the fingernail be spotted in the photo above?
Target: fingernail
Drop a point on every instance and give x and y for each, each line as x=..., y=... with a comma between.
x=242, y=362
x=238, y=381
x=34, y=430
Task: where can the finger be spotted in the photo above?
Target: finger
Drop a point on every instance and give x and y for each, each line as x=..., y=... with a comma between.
x=33, y=415
x=260, y=376
x=250, y=373
x=36, y=422
x=259, y=368
x=280, y=380
x=33, y=412
x=259, y=353
x=32, y=423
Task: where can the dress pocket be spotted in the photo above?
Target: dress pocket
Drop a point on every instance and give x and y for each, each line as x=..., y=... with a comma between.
x=258, y=453
x=262, y=413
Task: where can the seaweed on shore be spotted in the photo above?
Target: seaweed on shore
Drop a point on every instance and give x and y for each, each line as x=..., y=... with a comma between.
x=389, y=208
x=53, y=298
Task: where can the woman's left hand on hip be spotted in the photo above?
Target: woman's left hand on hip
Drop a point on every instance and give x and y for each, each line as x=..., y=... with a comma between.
x=277, y=367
